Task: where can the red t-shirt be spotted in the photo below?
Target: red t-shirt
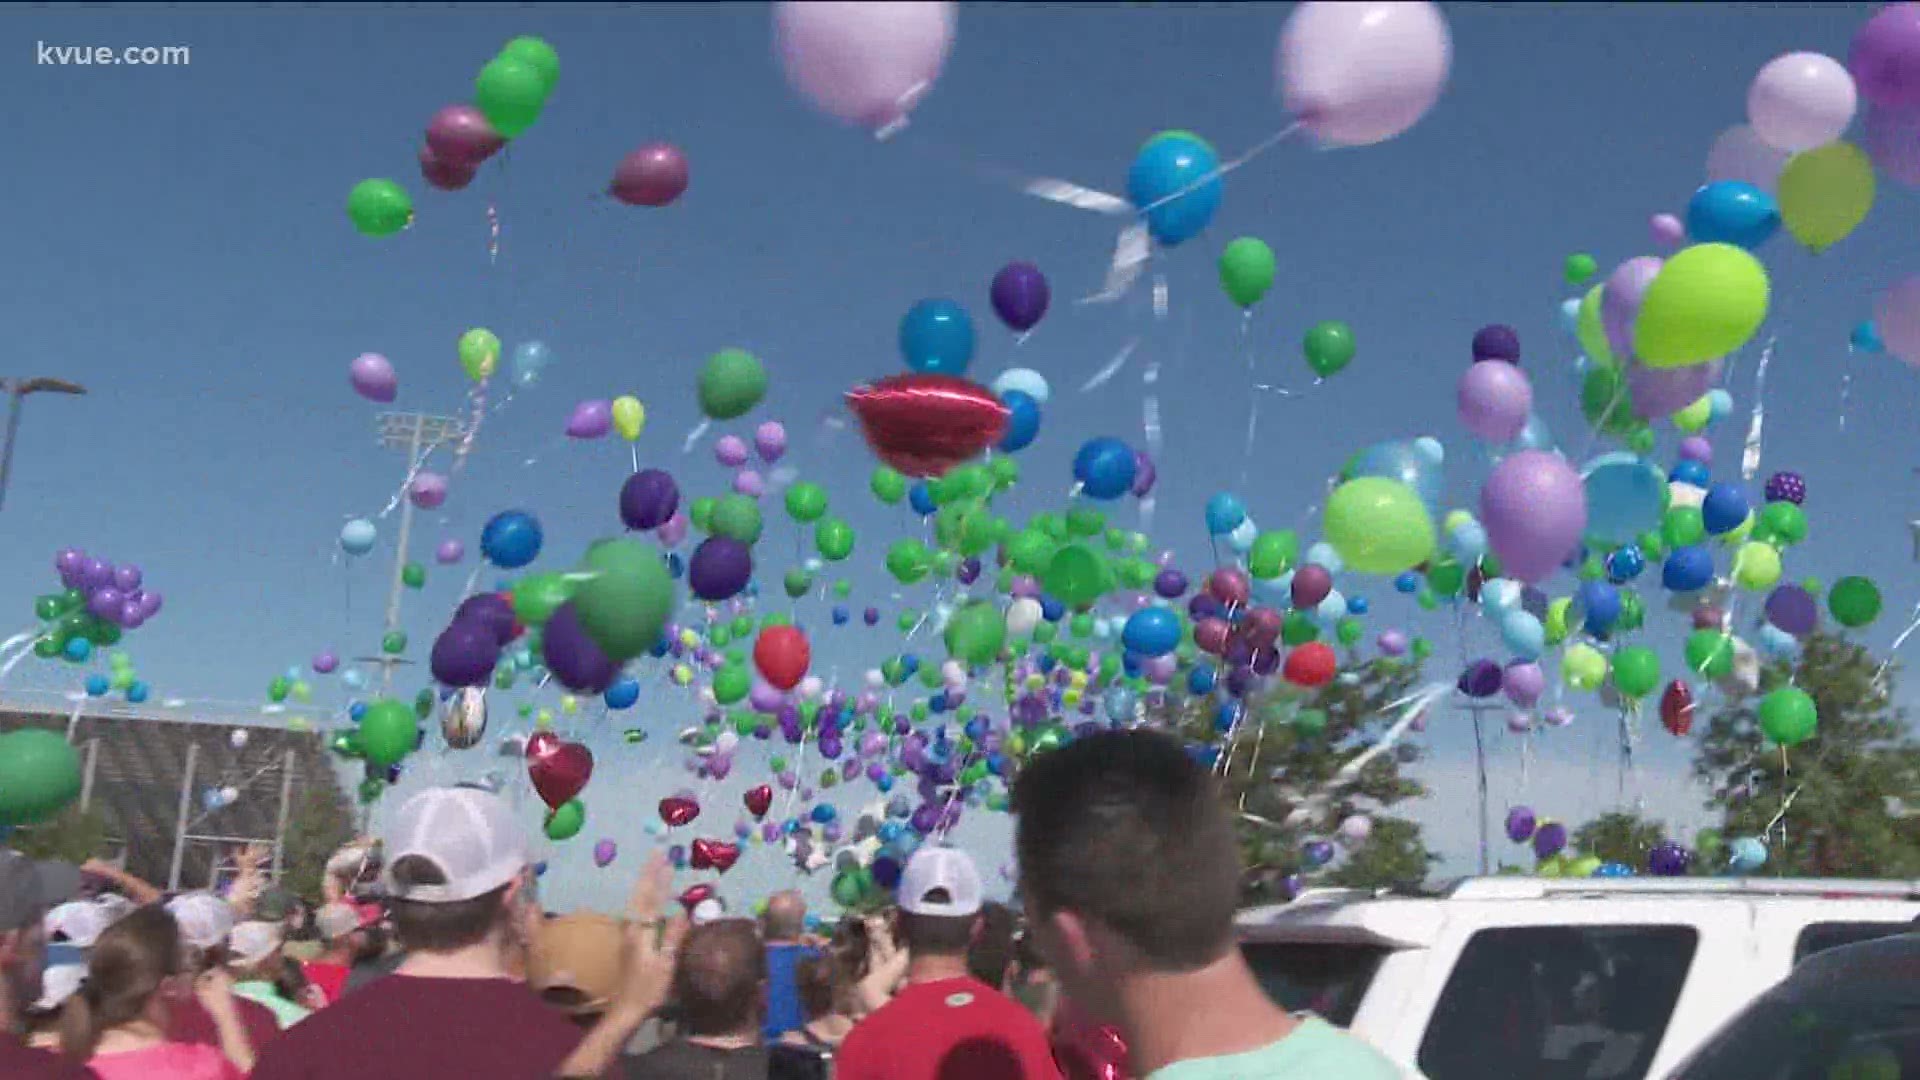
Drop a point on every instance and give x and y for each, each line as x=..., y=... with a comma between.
x=407, y=1027
x=188, y=1021
x=943, y=1030
x=17, y=1059
x=330, y=978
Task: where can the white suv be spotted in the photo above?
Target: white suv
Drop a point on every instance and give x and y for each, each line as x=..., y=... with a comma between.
x=1554, y=979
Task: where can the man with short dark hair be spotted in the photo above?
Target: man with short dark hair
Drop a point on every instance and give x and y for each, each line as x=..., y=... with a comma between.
x=1130, y=871
x=27, y=890
x=944, y=1024
x=719, y=990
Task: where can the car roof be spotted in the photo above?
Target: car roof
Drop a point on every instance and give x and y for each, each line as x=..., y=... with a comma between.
x=1862, y=970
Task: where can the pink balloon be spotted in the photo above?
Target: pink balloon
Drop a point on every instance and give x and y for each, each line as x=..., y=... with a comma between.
x=1896, y=314
x=728, y=450
x=653, y=175
x=1661, y=392
x=1359, y=73
x=674, y=531
x=1667, y=231
x=1893, y=142
x=590, y=420
x=1523, y=683
x=748, y=482
x=1801, y=100
x=770, y=441
x=1620, y=300
x=1534, y=508
x=326, y=663
x=1739, y=153
x=449, y=552
x=604, y=852
x=373, y=377
x=863, y=62
x=460, y=136
x=1494, y=401
x=428, y=490
x=1392, y=642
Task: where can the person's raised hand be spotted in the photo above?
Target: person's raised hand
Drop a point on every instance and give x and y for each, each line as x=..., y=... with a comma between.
x=650, y=949
x=214, y=988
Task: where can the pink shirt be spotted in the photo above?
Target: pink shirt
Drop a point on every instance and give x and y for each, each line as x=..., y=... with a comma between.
x=167, y=1061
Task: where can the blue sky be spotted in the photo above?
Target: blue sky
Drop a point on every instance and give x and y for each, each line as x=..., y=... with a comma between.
x=180, y=247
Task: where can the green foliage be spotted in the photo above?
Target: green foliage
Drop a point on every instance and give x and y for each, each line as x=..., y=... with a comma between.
x=1271, y=764
x=1847, y=784
x=1620, y=837
x=319, y=824
x=74, y=836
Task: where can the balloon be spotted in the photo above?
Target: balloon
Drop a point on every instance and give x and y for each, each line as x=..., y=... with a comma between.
x=936, y=338
x=1026, y=381
x=559, y=771
x=379, y=207
x=530, y=358
x=1224, y=513
x=1739, y=153
x=1884, y=58
x=1151, y=631
x=1403, y=462
x=510, y=94
x=924, y=425
x=387, y=732
x=1893, y=142
x=628, y=417
x=444, y=175
x=1666, y=230
x=463, y=719
x=1520, y=824
x=975, y=634
x=590, y=420
x=1625, y=496
x=1378, y=526
x=511, y=539
x=1589, y=329
x=1707, y=301
x=428, y=490
x=538, y=55
x=648, y=499
x=719, y=569
x=1494, y=401
x=1854, y=601
x=464, y=655
x=1896, y=313
x=479, y=354
x=1020, y=294
x=736, y=516
x=781, y=654
x=1793, y=610
x=1687, y=569
x=1329, y=347
x=1534, y=509
x=373, y=377
x=624, y=607
x=1788, y=716
x=1023, y=420
x=653, y=175
x=1825, y=194
x=1730, y=212
x=572, y=656
x=770, y=441
x=449, y=552
x=39, y=775
x=1311, y=665
x=863, y=63
x=732, y=382
x=1636, y=671
x=1653, y=393
x=1801, y=100
x=604, y=852
x=566, y=820
x=1176, y=185
x=1246, y=270
x=357, y=536
x=1356, y=74
x=1787, y=487
x=1104, y=467
x=1496, y=342
x=459, y=135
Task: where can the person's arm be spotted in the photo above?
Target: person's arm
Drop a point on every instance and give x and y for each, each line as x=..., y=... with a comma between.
x=647, y=972
x=215, y=991
x=249, y=882
x=135, y=889
x=885, y=968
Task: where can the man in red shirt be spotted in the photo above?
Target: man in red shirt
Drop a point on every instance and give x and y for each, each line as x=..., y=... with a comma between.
x=944, y=1024
x=339, y=926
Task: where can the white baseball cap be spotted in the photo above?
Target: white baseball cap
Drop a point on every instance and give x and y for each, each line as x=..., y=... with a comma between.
x=58, y=983
x=468, y=833
x=336, y=921
x=205, y=919
x=708, y=910
x=79, y=922
x=940, y=868
x=254, y=941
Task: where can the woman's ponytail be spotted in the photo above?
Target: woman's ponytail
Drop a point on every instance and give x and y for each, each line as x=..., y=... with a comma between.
x=130, y=962
x=80, y=1028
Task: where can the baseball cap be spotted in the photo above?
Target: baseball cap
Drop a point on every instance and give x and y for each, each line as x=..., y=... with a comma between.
x=254, y=941
x=58, y=982
x=575, y=961
x=79, y=922
x=712, y=909
x=29, y=887
x=944, y=869
x=205, y=919
x=336, y=921
x=467, y=833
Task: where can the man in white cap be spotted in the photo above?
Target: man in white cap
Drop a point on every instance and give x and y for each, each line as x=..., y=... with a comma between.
x=27, y=890
x=944, y=1022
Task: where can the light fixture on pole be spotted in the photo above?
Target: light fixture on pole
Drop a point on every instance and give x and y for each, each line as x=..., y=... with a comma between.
x=17, y=391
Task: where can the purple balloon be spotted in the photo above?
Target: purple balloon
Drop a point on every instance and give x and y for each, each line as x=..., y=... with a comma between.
x=449, y=552
x=604, y=852
x=1884, y=58
x=326, y=663
x=1144, y=474
x=749, y=483
x=490, y=611
x=1534, y=508
x=464, y=654
x=590, y=420
x=648, y=499
x=720, y=568
x=1524, y=682
x=150, y=604
x=1620, y=300
x=1170, y=584
x=95, y=574
x=1786, y=486
x=373, y=377
x=730, y=450
x=654, y=175
x=1494, y=401
x=1696, y=448
x=1668, y=859
x=460, y=135
x=1793, y=609
x=968, y=571
x=1496, y=342
x=573, y=657
x=764, y=697
x=1020, y=295
x=126, y=578
x=1392, y=642
x=444, y=175
x=770, y=441
x=1893, y=142
x=69, y=561
x=106, y=602
x=428, y=490
x=1661, y=392
x=1520, y=824
x=1481, y=679
x=1549, y=840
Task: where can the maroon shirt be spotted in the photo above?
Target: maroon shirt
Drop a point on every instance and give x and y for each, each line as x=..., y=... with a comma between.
x=17, y=1059
x=188, y=1021
x=407, y=1027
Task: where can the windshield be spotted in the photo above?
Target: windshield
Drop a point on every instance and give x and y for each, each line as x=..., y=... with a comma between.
x=1781, y=1040
x=1327, y=980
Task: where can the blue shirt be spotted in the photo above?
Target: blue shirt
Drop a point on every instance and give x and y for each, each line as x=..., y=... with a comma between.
x=784, y=1013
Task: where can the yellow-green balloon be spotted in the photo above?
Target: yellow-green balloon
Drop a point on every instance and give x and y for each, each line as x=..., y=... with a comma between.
x=1706, y=302
x=1589, y=330
x=1379, y=526
x=379, y=207
x=1756, y=566
x=1583, y=667
x=1825, y=193
x=479, y=353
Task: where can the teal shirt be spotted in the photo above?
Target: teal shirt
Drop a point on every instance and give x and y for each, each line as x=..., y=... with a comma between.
x=286, y=1012
x=1316, y=1050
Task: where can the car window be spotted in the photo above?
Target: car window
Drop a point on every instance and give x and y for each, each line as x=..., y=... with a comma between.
x=1327, y=980
x=1821, y=936
x=1558, y=1003
x=1784, y=1040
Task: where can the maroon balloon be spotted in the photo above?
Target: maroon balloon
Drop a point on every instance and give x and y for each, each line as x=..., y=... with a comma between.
x=573, y=657
x=1230, y=586
x=464, y=654
x=924, y=425
x=654, y=175
x=720, y=568
x=1311, y=584
x=1020, y=295
x=1261, y=628
x=460, y=135
x=648, y=499
x=1211, y=635
x=443, y=174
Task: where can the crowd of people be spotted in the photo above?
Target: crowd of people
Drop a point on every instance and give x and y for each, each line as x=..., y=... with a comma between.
x=1120, y=960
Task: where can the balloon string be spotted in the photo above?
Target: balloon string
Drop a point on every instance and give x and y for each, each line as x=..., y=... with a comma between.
x=493, y=235
x=1253, y=400
x=693, y=437
x=634, y=450
x=1880, y=675
x=476, y=415
x=1756, y=422
x=1106, y=374
x=1846, y=387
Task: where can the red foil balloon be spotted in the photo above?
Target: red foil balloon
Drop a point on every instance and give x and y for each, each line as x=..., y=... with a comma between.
x=1676, y=708
x=758, y=800
x=1086, y=1049
x=677, y=810
x=924, y=425
x=718, y=855
x=561, y=773
x=694, y=895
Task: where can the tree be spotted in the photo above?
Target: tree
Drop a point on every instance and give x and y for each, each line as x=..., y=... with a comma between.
x=1836, y=797
x=319, y=824
x=1620, y=836
x=1282, y=758
x=73, y=836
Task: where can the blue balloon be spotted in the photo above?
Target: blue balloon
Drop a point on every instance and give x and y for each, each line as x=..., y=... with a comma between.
x=1719, y=403
x=1613, y=869
x=1522, y=634
x=1625, y=564
x=98, y=685
x=1732, y=212
x=622, y=694
x=920, y=497
x=936, y=337
x=511, y=539
x=1407, y=582
x=1625, y=497
x=138, y=692
x=79, y=649
x=356, y=710
x=1226, y=716
x=357, y=536
x=1690, y=472
x=1724, y=508
x=1687, y=569
x=1023, y=420
x=1601, y=601
x=1570, y=314
x=1050, y=609
x=1151, y=631
x=1864, y=339
x=1404, y=462
x=1119, y=703
x=1200, y=680
x=841, y=615
x=1746, y=854
x=1182, y=170
x=1203, y=754
x=530, y=358
x=1104, y=467
x=1225, y=512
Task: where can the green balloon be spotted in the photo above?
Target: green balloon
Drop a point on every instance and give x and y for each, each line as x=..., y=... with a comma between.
x=847, y=889
x=567, y=821
x=1636, y=671
x=1788, y=716
x=1084, y=521
x=537, y=55
x=479, y=351
x=1310, y=723
x=510, y=93
x=1077, y=575
x=39, y=775
x=48, y=608
x=1246, y=270
x=806, y=502
x=1422, y=648
x=1633, y=612
x=413, y=575
x=379, y=207
x=1029, y=551
x=887, y=485
x=737, y=516
x=975, y=634
x=278, y=689
x=732, y=382
x=797, y=583
x=1709, y=653
x=1298, y=628
x=1606, y=401
x=1005, y=472
x=1782, y=523
x=1854, y=601
x=625, y=606
x=388, y=732
x=1272, y=554
x=537, y=596
x=833, y=538
x=1329, y=347
x=731, y=683
x=1682, y=526
x=908, y=561
x=1579, y=267
x=1446, y=577
x=700, y=512
x=1378, y=526
x=393, y=642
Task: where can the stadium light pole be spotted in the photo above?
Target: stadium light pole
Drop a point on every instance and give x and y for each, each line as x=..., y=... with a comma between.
x=17, y=391
x=419, y=435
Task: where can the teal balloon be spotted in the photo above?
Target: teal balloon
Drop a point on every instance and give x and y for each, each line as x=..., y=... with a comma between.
x=1175, y=183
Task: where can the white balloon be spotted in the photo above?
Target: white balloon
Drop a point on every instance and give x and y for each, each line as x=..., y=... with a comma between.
x=1801, y=100
x=811, y=688
x=229, y=796
x=238, y=740
x=1358, y=73
x=875, y=679
x=1355, y=829
x=1023, y=615
x=1026, y=380
x=725, y=742
x=1739, y=153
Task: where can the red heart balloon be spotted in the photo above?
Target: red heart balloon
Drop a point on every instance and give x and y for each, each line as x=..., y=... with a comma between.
x=782, y=655
x=694, y=894
x=924, y=425
x=561, y=774
x=758, y=800
x=718, y=855
x=1676, y=708
x=542, y=743
x=678, y=810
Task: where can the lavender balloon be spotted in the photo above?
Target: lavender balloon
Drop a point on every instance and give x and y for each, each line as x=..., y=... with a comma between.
x=730, y=450
x=428, y=491
x=603, y=853
x=126, y=578
x=1884, y=58
x=1666, y=230
x=590, y=420
x=1661, y=392
x=149, y=604
x=1494, y=401
x=648, y=499
x=373, y=377
x=1524, y=682
x=449, y=552
x=460, y=135
x=1144, y=474
x=1020, y=295
x=1893, y=142
x=106, y=603
x=1620, y=300
x=1534, y=508
x=749, y=483
x=770, y=441
x=326, y=663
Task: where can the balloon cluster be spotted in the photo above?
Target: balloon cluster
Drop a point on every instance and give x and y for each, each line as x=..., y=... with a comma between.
x=98, y=603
